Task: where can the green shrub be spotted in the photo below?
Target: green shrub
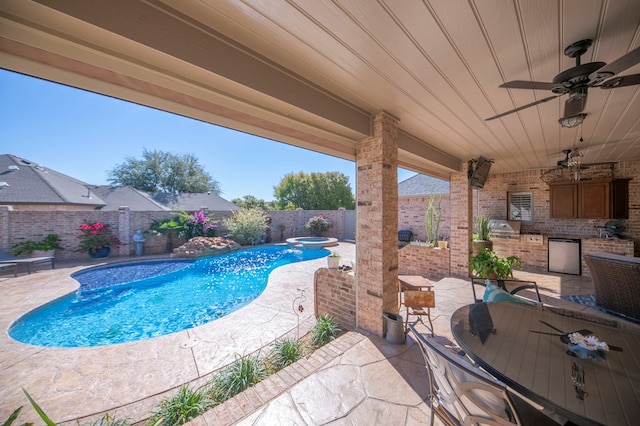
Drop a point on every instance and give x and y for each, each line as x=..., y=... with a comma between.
x=176, y=410
x=237, y=377
x=324, y=331
x=318, y=225
x=50, y=242
x=247, y=226
x=285, y=352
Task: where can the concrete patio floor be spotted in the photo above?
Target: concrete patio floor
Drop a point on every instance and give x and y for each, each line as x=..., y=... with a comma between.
x=357, y=379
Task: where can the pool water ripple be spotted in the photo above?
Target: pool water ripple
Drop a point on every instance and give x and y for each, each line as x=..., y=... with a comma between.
x=123, y=303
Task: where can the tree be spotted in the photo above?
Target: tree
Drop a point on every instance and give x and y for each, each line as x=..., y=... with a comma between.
x=315, y=191
x=250, y=202
x=159, y=171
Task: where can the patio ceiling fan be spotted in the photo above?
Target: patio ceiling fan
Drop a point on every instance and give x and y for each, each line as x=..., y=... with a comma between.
x=571, y=167
x=577, y=80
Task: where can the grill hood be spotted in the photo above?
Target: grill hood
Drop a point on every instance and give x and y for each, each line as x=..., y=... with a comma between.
x=505, y=229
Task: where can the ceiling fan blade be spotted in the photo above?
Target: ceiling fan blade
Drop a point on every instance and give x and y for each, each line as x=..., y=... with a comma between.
x=575, y=105
x=534, y=85
x=622, y=63
x=522, y=107
x=627, y=80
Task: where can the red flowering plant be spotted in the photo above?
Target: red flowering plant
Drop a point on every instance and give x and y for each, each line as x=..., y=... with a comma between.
x=96, y=236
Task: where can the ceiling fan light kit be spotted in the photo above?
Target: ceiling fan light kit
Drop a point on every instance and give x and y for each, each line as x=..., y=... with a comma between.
x=573, y=121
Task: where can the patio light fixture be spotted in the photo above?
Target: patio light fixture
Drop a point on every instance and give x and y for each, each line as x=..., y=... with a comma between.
x=572, y=121
x=575, y=162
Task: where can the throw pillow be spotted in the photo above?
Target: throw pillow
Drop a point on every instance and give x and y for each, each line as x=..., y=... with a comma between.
x=493, y=293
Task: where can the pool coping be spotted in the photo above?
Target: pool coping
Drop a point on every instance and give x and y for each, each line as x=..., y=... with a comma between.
x=307, y=244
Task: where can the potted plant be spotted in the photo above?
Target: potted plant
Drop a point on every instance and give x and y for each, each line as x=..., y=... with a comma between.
x=42, y=248
x=488, y=265
x=333, y=260
x=97, y=239
x=482, y=235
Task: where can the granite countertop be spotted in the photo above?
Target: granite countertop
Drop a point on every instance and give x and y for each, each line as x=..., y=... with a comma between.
x=571, y=237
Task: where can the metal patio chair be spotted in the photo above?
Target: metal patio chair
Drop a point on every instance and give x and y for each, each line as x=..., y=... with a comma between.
x=460, y=393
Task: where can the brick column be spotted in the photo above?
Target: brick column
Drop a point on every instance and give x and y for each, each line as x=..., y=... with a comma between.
x=461, y=223
x=4, y=226
x=300, y=222
x=124, y=230
x=377, y=227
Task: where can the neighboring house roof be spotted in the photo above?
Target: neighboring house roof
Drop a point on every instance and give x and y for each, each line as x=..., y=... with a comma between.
x=194, y=201
x=31, y=183
x=119, y=196
x=422, y=185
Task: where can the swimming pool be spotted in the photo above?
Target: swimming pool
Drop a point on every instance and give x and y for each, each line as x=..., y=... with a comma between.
x=127, y=302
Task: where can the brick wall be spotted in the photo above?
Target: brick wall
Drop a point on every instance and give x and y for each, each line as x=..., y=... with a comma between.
x=411, y=212
x=492, y=201
x=23, y=225
x=335, y=295
x=334, y=290
x=294, y=221
x=430, y=262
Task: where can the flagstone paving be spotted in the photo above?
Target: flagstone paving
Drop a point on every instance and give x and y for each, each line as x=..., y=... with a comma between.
x=357, y=379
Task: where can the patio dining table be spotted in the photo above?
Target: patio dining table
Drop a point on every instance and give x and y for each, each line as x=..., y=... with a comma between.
x=528, y=348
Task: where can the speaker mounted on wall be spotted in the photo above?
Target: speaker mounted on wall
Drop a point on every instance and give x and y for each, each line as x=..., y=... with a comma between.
x=479, y=171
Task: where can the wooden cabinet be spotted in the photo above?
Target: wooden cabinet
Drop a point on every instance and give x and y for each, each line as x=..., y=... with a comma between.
x=564, y=201
x=593, y=200
x=602, y=199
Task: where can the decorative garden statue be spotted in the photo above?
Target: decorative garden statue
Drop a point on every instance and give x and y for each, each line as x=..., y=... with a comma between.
x=139, y=239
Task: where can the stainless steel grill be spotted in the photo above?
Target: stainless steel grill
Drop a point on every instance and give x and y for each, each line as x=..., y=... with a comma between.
x=505, y=229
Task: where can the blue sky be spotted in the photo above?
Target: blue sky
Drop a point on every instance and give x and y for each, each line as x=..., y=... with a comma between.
x=83, y=135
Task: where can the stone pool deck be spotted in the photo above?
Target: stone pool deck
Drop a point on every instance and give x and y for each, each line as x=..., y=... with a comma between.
x=129, y=379
x=357, y=379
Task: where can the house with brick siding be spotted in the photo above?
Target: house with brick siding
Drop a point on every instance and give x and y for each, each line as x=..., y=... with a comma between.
x=413, y=198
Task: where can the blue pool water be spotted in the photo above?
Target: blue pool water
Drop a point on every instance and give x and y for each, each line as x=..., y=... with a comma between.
x=127, y=302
